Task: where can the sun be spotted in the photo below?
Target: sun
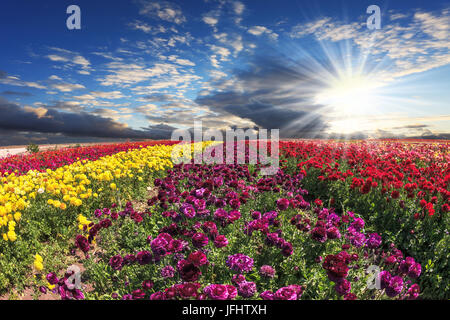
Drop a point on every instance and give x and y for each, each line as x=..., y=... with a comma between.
x=354, y=95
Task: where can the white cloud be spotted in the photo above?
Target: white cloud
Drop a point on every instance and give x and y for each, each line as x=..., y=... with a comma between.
x=139, y=25
x=183, y=62
x=436, y=27
x=16, y=81
x=238, y=7
x=419, y=45
x=67, y=87
x=210, y=20
x=222, y=51
x=163, y=10
x=54, y=77
x=259, y=30
x=71, y=59
x=125, y=74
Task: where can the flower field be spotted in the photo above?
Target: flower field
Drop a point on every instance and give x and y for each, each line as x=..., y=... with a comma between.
x=339, y=220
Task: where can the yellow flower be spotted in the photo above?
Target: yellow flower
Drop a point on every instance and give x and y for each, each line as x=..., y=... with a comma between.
x=12, y=236
x=17, y=216
x=38, y=265
x=113, y=186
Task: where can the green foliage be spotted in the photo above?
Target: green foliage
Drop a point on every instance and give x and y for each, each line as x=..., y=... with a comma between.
x=33, y=148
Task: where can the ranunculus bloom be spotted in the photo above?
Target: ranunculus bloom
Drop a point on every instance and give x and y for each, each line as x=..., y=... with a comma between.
x=217, y=291
x=267, y=295
x=395, y=286
x=144, y=257
x=343, y=287
x=198, y=258
x=199, y=240
x=188, y=271
x=147, y=284
x=220, y=241
x=167, y=272
x=138, y=294
x=52, y=278
x=116, y=262
x=240, y=262
x=282, y=204
x=247, y=289
x=286, y=293
x=267, y=271
x=374, y=241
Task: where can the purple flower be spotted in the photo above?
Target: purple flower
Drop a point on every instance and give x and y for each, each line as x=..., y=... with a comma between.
x=282, y=204
x=158, y=296
x=147, y=284
x=52, y=278
x=292, y=292
x=199, y=240
x=237, y=279
x=216, y=291
x=395, y=286
x=188, y=271
x=406, y=264
x=256, y=215
x=116, y=262
x=385, y=279
x=333, y=233
x=129, y=259
x=188, y=210
x=319, y=234
x=358, y=224
x=78, y=294
x=267, y=271
x=358, y=239
x=144, y=257
x=232, y=291
x=235, y=204
x=159, y=246
x=220, y=241
x=413, y=292
x=167, y=272
x=267, y=295
x=240, y=262
x=374, y=241
x=82, y=243
x=220, y=214
x=414, y=270
x=286, y=249
x=343, y=287
x=247, y=289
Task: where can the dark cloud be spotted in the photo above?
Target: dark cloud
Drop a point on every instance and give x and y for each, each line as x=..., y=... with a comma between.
x=413, y=126
x=276, y=94
x=160, y=131
x=15, y=93
x=15, y=119
x=16, y=138
x=3, y=74
x=158, y=97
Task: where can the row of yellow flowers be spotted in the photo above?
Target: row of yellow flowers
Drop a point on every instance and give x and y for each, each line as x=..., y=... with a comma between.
x=75, y=184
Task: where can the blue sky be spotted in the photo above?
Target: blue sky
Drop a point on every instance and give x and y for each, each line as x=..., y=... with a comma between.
x=140, y=69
